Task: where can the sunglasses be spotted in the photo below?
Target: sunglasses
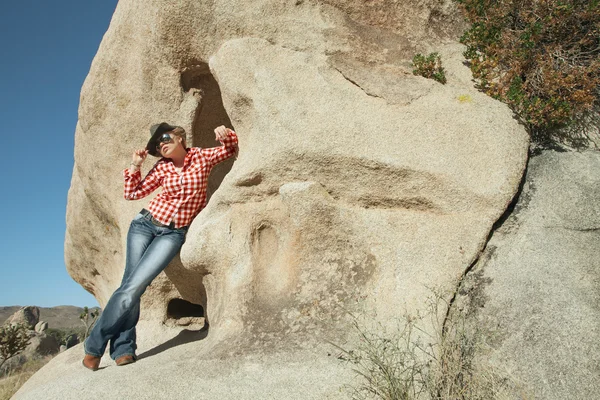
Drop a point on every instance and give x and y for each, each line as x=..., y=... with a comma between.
x=164, y=138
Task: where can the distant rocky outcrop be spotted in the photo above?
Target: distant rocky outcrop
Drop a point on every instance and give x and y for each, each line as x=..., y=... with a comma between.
x=41, y=326
x=71, y=340
x=27, y=316
x=38, y=320
x=40, y=343
x=58, y=317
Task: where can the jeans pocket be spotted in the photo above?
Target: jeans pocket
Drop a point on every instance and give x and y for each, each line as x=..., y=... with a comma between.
x=181, y=234
x=138, y=216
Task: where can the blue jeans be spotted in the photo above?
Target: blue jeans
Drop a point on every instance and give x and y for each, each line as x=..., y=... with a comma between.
x=150, y=248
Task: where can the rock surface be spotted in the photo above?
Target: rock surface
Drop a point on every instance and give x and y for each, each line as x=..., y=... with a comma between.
x=41, y=326
x=357, y=186
x=71, y=340
x=41, y=344
x=28, y=316
x=351, y=170
x=536, y=290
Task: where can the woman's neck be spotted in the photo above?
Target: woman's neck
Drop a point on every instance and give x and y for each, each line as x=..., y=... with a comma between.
x=178, y=157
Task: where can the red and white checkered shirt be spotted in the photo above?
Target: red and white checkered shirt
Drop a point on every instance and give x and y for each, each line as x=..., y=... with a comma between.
x=183, y=195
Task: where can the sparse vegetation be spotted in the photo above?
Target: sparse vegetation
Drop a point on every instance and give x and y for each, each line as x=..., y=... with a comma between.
x=16, y=372
x=88, y=318
x=409, y=362
x=62, y=335
x=13, y=380
x=429, y=66
x=542, y=58
x=13, y=340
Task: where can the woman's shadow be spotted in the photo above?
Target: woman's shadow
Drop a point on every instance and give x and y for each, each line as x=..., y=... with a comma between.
x=185, y=336
x=179, y=308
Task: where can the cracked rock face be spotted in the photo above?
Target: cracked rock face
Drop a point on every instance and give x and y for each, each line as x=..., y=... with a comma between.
x=357, y=187
x=536, y=294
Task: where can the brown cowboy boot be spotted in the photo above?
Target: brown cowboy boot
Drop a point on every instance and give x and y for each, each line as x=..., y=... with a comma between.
x=124, y=360
x=91, y=362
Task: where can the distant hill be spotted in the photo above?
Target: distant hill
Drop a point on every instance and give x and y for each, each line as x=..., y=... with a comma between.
x=60, y=317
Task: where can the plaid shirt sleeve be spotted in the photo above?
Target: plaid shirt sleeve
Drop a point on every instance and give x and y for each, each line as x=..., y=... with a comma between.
x=229, y=147
x=136, y=188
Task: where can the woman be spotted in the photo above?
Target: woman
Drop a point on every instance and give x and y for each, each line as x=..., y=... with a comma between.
x=156, y=234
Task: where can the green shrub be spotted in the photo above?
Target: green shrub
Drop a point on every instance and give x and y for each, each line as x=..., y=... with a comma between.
x=61, y=335
x=13, y=340
x=58, y=334
x=429, y=67
x=542, y=58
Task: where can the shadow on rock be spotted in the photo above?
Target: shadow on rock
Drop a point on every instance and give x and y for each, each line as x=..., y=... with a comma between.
x=185, y=336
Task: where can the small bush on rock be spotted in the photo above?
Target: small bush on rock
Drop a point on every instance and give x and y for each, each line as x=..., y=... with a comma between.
x=429, y=67
x=65, y=336
x=413, y=362
x=541, y=57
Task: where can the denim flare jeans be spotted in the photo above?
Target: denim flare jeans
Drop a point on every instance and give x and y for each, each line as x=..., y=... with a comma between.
x=150, y=248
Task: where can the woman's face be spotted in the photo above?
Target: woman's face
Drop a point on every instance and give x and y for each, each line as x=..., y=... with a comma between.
x=167, y=144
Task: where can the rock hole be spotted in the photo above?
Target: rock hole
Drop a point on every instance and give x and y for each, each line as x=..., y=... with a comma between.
x=192, y=76
x=209, y=114
x=183, y=313
x=179, y=308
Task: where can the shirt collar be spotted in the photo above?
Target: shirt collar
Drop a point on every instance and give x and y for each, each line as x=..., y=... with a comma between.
x=186, y=160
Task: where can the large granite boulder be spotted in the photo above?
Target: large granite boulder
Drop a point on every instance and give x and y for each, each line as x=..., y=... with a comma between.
x=41, y=344
x=536, y=290
x=71, y=340
x=357, y=185
x=27, y=316
x=356, y=181
x=41, y=326
x=354, y=201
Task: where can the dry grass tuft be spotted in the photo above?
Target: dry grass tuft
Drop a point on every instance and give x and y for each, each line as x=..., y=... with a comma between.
x=410, y=362
x=13, y=380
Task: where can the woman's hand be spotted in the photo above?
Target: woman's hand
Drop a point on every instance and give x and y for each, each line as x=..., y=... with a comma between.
x=138, y=158
x=221, y=133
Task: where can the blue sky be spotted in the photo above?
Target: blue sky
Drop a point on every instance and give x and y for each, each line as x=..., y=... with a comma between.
x=47, y=48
